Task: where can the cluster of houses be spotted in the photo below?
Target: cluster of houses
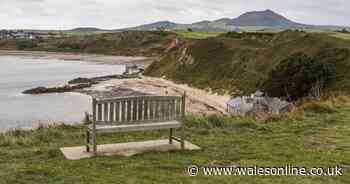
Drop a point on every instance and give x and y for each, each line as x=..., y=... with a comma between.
x=20, y=34
x=257, y=103
x=9, y=34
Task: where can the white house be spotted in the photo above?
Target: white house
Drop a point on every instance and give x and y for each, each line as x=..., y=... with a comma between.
x=25, y=35
x=256, y=102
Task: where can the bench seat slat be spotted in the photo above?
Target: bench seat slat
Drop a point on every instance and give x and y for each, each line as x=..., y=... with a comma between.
x=111, y=112
x=134, y=110
x=123, y=118
x=137, y=127
x=105, y=111
x=151, y=111
x=128, y=110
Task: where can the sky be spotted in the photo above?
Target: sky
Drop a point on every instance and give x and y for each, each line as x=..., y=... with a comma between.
x=114, y=14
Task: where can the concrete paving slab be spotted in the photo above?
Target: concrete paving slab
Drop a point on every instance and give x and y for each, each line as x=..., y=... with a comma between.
x=126, y=149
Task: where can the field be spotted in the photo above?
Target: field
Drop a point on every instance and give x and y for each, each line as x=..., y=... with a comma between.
x=198, y=35
x=81, y=33
x=345, y=36
x=317, y=135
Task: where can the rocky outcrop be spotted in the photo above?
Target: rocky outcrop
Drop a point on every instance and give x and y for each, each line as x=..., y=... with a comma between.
x=78, y=84
x=80, y=80
x=60, y=89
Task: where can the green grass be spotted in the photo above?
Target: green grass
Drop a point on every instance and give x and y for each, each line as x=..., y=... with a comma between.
x=311, y=138
x=345, y=36
x=240, y=63
x=198, y=35
x=129, y=43
x=77, y=33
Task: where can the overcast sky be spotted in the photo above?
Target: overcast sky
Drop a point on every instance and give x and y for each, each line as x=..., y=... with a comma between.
x=111, y=14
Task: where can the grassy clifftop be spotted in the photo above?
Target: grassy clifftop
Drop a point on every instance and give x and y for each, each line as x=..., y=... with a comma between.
x=131, y=43
x=315, y=137
x=241, y=62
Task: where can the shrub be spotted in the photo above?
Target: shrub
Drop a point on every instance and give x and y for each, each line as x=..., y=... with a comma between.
x=317, y=107
x=26, y=44
x=74, y=46
x=299, y=76
x=233, y=34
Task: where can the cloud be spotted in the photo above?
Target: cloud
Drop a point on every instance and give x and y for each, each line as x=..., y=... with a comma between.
x=66, y=14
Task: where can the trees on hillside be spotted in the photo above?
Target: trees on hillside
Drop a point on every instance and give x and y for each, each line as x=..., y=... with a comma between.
x=298, y=76
x=26, y=44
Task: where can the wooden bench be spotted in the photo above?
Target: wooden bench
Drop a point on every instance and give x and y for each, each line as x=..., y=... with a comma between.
x=138, y=113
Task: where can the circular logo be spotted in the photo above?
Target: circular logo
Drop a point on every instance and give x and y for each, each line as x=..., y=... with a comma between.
x=192, y=170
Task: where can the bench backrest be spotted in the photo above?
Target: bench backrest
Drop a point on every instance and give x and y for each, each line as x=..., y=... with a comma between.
x=139, y=109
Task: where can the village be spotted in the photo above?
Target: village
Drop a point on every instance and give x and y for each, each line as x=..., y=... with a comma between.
x=28, y=35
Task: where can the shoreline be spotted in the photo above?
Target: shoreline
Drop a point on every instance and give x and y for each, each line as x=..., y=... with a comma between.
x=199, y=102
x=139, y=61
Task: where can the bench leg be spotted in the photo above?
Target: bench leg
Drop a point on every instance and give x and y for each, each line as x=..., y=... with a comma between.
x=171, y=136
x=94, y=142
x=183, y=137
x=88, y=141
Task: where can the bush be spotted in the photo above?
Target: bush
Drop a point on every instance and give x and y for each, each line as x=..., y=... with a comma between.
x=343, y=31
x=74, y=46
x=317, y=107
x=233, y=34
x=299, y=76
x=26, y=44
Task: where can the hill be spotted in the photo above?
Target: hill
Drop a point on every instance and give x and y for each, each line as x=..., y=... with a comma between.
x=265, y=18
x=132, y=43
x=254, y=20
x=86, y=29
x=240, y=63
x=155, y=26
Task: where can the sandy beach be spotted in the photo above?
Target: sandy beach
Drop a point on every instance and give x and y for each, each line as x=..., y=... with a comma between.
x=199, y=102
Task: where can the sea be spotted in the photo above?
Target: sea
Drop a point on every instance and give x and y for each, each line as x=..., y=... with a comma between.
x=19, y=73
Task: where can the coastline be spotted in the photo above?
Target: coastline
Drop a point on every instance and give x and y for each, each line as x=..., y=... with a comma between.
x=199, y=102
x=98, y=58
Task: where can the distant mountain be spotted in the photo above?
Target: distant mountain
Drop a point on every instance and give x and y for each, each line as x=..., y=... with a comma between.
x=156, y=25
x=209, y=26
x=265, y=18
x=86, y=29
x=251, y=20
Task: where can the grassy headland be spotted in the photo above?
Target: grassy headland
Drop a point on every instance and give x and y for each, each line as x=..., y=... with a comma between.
x=133, y=43
x=198, y=35
x=242, y=62
x=238, y=63
x=316, y=135
x=345, y=36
